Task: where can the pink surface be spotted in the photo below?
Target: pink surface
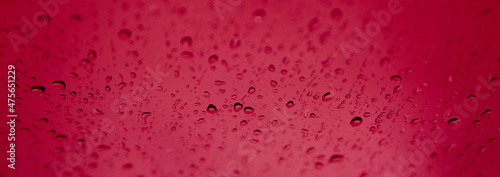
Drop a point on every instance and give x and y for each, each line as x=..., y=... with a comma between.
x=222, y=88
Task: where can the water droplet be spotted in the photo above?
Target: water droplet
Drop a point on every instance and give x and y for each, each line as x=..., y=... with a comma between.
x=285, y=60
x=454, y=122
x=108, y=79
x=257, y=132
x=60, y=137
x=356, y=121
x=59, y=85
x=219, y=82
x=211, y=109
x=206, y=94
x=124, y=34
x=213, y=58
x=187, y=54
x=238, y=107
x=234, y=43
x=397, y=89
x=251, y=90
x=38, y=90
x=243, y=123
x=200, y=121
x=91, y=55
x=318, y=165
x=328, y=96
x=290, y=104
x=385, y=61
x=336, y=158
x=249, y=110
x=396, y=79
x=271, y=68
x=274, y=83
x=187, y=41
x=122, y=85
x=42, y=120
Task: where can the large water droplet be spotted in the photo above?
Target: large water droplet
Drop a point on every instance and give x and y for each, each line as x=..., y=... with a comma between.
x=248, y=110
x=213, y=58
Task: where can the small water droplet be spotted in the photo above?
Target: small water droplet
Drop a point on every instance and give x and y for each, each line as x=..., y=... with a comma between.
x=385, y=61
x=257, y=132
x=124, y=34
x=187, y=54
x=211, y=109
x=336, y=158
x=187, y=41
x=213, y=58
x=396, y=79
x=206, y=94
x=251, y=90
x=219, y=82
x=38, y=90
x=356, y=121
x=249, y=110
x=274, y=83
x=59, y=85
x=234, y=43
x=454, y=122
x=238, y=107
x=328, y=96
x=271, y=68
x=290, y=104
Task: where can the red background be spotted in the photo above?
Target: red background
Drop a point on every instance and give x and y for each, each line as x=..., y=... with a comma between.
x=155, y=119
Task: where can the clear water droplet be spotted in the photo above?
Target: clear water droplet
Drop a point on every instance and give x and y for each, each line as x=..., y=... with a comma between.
x=251, y=90
x=187, y=41
x=38, y=90
x=59, y=85
x=211, y=109
x=238, y=107
x=124, y=34
x=356, y=121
